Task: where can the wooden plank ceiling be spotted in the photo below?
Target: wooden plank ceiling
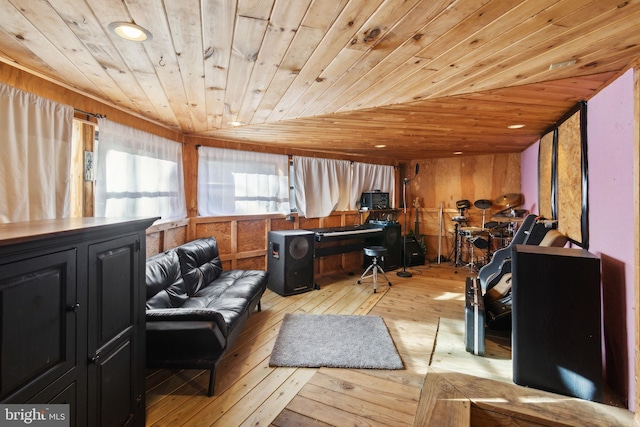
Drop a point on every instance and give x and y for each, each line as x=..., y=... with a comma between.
x=423, y=77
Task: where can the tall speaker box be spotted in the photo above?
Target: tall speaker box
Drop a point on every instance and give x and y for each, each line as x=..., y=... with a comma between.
x=392, y=240
x=290, y=261
x=556, y=344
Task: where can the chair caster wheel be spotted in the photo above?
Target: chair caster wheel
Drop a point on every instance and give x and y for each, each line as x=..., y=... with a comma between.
x=389, y=283
x=374, y=291
x=359, y=282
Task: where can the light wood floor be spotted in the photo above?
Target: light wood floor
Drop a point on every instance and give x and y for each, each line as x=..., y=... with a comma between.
x=249, y=392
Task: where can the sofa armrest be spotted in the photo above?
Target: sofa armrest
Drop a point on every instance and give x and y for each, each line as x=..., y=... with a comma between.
x=187, y=315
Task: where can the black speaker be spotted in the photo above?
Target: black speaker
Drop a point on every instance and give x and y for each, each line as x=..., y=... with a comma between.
x=290, y=261
x=392, y=240
x=556, y=344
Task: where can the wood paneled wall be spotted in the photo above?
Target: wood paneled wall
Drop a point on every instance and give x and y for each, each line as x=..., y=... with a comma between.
x=243, y=240
x=440, y=183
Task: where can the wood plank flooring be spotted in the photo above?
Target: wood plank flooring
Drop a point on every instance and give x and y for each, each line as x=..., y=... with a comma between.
x=250, y=393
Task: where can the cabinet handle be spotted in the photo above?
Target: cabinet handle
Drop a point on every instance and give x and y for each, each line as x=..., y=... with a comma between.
x=75, y=307
x=95, y=359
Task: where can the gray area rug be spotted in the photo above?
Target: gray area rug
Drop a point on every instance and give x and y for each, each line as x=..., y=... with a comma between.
x=334, y=341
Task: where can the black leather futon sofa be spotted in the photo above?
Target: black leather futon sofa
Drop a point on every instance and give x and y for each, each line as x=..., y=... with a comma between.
x=194, y=309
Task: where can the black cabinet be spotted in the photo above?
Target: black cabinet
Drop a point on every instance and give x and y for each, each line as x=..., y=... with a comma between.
x=556, y=320
x=72, y=322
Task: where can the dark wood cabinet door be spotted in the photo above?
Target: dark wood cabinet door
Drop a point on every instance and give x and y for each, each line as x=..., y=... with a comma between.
x=116, y=368
x=38, y=322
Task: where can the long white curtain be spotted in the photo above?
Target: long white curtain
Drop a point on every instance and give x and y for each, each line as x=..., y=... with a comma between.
x=236, y=182
x=35, y=141
x=321, y=186
x=138, y=174
x=369, y=177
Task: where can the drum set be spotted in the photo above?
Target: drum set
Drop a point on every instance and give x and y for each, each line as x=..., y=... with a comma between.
x=492, y=235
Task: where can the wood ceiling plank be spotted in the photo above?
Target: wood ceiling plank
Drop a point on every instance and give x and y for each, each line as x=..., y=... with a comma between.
x=257, y=9
x=536, y=68
x=473, y=37
x=322, y=14
x=60, y=34
x=19, y=27
x=165, y=88
x=218, y=21
x=185, y=21
x=14, y=52
x=350, y=21
x=284, y=22
x=402, y=62
x=249, y=34
x=303, y=45
x=514, y=37
x=563, y=29
x=356, y=80
x=375, y=30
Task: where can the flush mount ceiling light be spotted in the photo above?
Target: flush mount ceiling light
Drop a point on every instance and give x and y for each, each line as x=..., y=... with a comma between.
x=562, y=64
x=130, y=31
x=236, y=123
x=380, y=146
x=516, y=126
x=457, y=153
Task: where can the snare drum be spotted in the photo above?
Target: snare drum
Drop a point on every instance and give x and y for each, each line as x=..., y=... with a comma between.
x=473, y=231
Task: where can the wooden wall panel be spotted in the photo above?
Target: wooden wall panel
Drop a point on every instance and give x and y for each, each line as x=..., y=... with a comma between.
x=442, y=182
x=254, y=263
x=154, y=243
x=252, y=235
x=570, y=178
x=545, y=175
x=221, y=231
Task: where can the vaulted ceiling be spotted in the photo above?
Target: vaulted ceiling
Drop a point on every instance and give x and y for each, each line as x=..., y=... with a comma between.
x=425, y=78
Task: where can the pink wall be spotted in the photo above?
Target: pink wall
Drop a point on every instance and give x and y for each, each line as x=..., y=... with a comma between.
x=611, y=227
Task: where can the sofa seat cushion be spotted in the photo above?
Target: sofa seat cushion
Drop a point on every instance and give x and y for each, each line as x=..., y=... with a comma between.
x=230, y=295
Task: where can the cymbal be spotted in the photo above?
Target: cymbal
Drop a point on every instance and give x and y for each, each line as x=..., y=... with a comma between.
x=510, y=200
x=482, y=204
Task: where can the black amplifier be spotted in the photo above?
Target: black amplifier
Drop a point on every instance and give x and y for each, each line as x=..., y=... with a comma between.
x=414, y=253
x=374, y=200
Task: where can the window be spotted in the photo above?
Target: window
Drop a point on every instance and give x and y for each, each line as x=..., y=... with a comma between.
x=139, y=174
x=234, y=182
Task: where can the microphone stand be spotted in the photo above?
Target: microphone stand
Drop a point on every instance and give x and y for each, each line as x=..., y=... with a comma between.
x=404, y=272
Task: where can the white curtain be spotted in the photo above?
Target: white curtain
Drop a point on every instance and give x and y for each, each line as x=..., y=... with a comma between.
x=236, y=182
x=369, y=177
x=321, y=186
x=138, y=174
x=35, y=137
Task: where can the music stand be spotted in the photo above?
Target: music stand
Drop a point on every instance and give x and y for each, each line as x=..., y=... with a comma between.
x=404, y=272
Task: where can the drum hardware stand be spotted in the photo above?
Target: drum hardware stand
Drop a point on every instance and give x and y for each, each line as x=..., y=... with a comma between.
x=440, y=235
x=472, y=264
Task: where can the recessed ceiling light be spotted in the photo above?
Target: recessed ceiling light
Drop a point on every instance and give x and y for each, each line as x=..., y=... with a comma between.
x=562, y=64
x=380, y=146
x=517, y=126
x=236, y=123
x=130, y=31
x=457, y=153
